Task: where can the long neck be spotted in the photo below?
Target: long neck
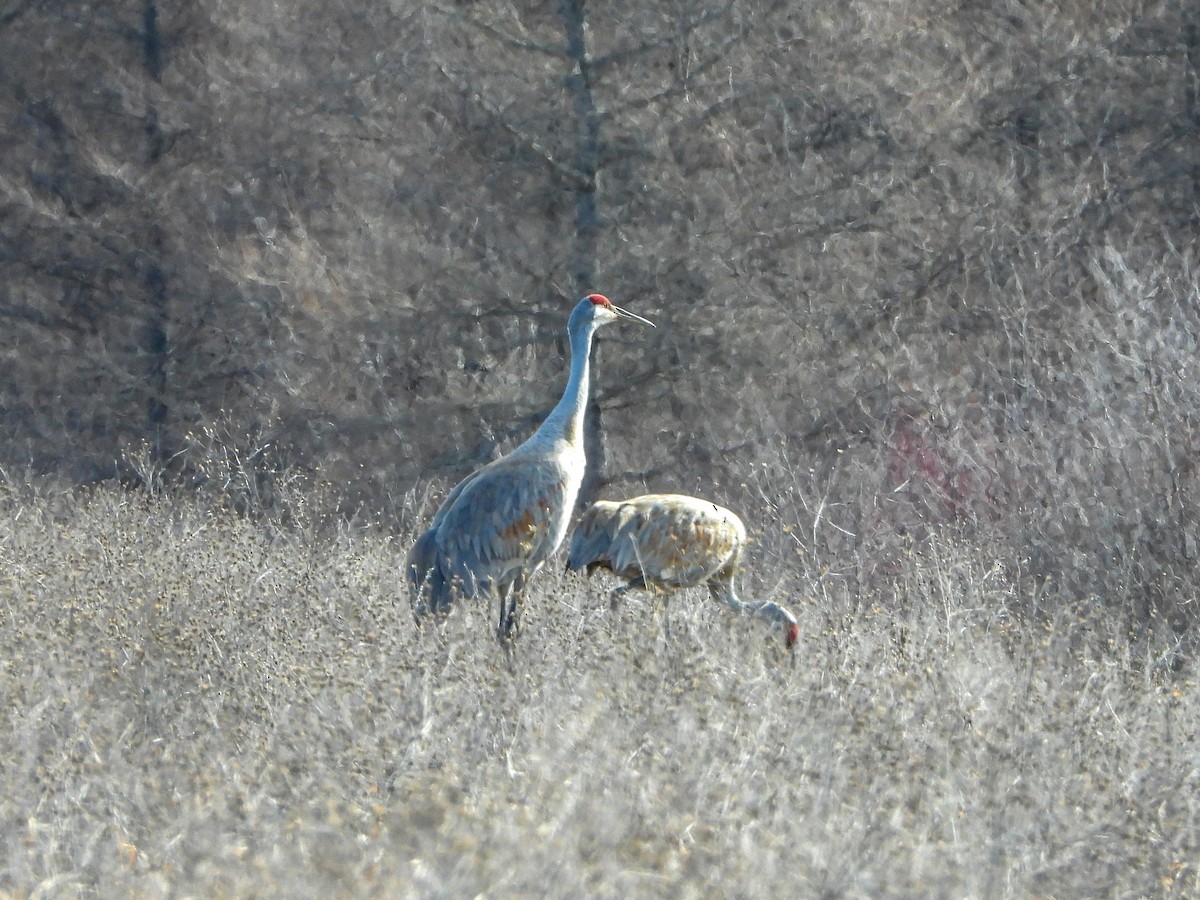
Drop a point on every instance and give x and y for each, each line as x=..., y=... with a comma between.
x=768, y=609
x=565, y=422
x=771, y=611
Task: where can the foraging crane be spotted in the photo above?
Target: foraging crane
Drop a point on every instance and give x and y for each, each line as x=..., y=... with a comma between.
x=668, y=541
x=498, y=526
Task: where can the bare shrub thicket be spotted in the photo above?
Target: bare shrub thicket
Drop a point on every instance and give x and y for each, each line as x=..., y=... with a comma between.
x=940, y=255
x=203, y=703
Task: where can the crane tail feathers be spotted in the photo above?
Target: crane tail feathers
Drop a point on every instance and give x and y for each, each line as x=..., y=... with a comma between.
x=588, y=546
x=431, y=591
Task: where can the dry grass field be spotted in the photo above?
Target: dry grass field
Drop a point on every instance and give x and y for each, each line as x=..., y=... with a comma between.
x=198, y=703
x=926, y=283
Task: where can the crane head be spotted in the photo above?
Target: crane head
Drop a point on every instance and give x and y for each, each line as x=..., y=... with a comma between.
x=793, y=635
x=598, y=310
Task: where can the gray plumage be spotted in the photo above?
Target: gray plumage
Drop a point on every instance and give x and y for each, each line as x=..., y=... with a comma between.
x=665, y=542
x=499, y=525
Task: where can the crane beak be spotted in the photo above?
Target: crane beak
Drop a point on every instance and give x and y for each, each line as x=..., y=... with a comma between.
x=628, y=315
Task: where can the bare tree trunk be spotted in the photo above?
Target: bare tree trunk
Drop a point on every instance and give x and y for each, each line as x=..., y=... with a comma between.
x=1191, y=39
x=583, y=249
x=587, y=146
x=154, y=340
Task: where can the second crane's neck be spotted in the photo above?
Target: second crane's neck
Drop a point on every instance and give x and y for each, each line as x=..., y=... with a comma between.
x=564, y=426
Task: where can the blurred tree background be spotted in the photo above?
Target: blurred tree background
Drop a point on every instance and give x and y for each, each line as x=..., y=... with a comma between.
x=931, y=263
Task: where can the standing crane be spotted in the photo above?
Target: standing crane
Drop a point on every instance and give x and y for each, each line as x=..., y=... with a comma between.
x=499, y=525
x=664, y=542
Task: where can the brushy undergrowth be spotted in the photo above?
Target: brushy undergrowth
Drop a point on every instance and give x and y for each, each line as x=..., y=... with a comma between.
x=201, y=703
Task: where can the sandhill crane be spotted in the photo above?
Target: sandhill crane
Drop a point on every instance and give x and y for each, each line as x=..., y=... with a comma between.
x=497, y=527
x=668, y=541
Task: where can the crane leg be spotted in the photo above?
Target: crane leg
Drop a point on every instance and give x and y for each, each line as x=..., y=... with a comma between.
x=510, y=601
x=616, y=595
